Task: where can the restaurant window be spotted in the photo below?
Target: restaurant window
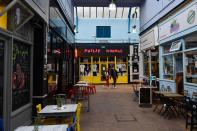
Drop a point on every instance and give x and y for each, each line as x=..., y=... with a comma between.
x=121, y=66
x=85, y=59
x=85, y=66
x=111, y=62
x=168, y=67
x=103, y=31
x=1, y=76
x=191, y=66
x=146, y=64
x=166, y=48
x=20, y=75
x=155, y=62
x=95, y=66
x=103, y=59
x=190, y=42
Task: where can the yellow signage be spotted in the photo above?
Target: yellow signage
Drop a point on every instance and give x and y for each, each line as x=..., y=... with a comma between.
x=3, y=19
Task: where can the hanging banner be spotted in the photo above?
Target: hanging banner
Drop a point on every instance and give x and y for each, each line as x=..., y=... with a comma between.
x=149, y=39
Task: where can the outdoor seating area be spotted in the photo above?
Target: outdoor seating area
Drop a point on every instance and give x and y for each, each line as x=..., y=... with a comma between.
x=168, y=104
x=64, y=115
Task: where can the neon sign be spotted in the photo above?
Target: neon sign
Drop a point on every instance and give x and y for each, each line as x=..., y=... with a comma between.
x=102, y=50
x=114, y=51
x=92, y=50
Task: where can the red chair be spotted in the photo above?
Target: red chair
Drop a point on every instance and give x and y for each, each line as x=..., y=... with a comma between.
x=71, y=93
x=92, y=89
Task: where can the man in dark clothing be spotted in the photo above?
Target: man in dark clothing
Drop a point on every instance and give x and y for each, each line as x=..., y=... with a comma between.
x=114, y=75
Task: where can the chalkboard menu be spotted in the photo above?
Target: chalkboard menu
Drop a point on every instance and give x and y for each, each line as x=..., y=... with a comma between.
x=1, y=76
x=20, y=75
x=145, y=96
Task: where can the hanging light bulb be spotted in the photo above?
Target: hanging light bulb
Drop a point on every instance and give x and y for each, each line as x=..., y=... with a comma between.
x=112, y=6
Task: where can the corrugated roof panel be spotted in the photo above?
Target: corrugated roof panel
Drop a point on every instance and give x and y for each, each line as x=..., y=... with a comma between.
x=126, y=12
x=99, y=12
x=93, y=12
x=112, y=13
x=106, y=12
x=80, y=12
x=119, y=12
x=86, y=12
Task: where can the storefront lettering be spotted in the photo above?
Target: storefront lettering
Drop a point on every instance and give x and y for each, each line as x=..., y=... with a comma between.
x=114, y=51
x=92, y=50
x=100, y=51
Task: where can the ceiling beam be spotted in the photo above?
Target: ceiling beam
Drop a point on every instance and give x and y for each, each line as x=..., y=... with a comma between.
x=96, y=12
x=90, y=12
x=105, y=3
x=109, y=13
x=103, y=12
x=122, y=12
x=116, y=13
x=83, y=12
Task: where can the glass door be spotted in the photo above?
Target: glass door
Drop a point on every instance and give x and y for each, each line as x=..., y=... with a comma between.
x=179, y=72
x=1, y=80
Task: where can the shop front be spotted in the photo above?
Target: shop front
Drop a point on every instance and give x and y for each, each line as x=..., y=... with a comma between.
x=18, y=24
x=178, y=50
x=60, y=52
x=95, y=59
x=149, y=47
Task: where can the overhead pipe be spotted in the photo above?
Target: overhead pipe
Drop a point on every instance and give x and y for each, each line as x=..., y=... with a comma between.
x=129, y=20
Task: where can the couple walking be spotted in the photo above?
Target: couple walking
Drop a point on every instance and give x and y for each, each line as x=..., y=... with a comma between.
x=111, y=74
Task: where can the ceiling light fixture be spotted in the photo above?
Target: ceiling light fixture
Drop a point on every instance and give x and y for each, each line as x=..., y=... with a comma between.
x=112, y=6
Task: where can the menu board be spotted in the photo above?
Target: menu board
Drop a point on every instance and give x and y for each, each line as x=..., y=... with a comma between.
x=145, y=96
x=20, y=75
x=1, y=76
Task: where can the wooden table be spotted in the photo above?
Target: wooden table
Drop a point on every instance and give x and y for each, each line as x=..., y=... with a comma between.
x=53, y=111
x=173, y=95
x=43, y=128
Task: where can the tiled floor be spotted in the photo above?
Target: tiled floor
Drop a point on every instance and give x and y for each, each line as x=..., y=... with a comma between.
x=115, y=110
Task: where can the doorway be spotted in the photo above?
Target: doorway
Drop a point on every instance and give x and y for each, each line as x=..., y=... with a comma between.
x=179, y=72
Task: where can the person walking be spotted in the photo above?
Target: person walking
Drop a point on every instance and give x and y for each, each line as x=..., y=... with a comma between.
x=114, y=75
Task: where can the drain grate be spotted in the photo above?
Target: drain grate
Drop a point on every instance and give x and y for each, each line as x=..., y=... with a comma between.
x=124, y=117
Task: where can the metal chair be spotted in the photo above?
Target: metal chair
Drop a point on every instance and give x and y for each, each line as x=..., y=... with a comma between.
x=78, y=116
x=73, y=126
x=191, y=114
